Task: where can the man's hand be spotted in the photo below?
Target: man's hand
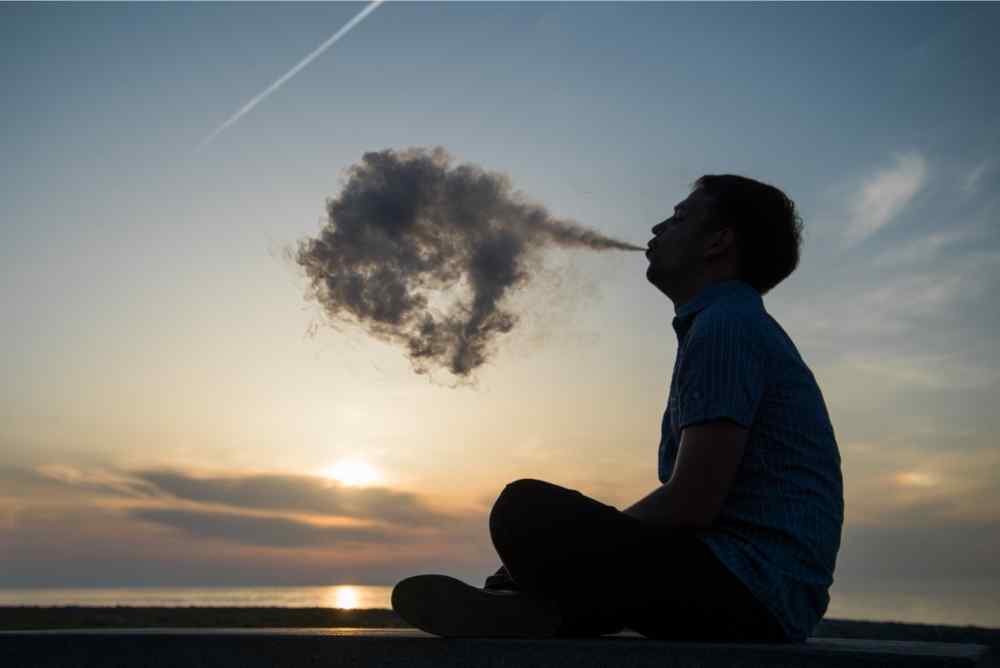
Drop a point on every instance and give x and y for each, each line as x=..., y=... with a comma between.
x=708, y=458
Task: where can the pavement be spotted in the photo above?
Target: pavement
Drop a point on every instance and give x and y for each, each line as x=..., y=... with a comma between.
x=406, y=648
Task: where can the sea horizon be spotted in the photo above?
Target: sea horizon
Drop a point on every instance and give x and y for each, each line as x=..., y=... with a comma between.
x=961, y=609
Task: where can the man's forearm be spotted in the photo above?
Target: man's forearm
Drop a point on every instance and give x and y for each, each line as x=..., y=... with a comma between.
x=664, y=507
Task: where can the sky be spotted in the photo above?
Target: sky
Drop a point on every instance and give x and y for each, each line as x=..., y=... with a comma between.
x=177, y=411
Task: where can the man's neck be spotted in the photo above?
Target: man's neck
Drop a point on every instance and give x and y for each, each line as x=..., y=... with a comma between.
x=689, y=292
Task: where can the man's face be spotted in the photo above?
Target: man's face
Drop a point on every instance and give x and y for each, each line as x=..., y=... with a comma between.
x=675, y=251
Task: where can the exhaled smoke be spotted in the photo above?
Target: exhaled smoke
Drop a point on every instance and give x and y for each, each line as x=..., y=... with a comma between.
x=408, y=230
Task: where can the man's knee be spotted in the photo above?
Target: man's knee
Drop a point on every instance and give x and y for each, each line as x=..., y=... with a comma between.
x=525, y=487
x=515, y=497
x=514, y=503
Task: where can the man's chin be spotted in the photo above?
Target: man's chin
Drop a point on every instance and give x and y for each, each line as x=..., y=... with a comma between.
x=655, y=277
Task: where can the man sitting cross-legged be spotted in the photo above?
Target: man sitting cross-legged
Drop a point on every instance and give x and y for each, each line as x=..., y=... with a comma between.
x=740, y=541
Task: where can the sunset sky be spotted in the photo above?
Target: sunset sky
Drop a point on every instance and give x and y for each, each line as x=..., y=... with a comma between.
x=175, y=411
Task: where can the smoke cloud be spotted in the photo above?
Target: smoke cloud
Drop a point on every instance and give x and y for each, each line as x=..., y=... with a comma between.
x=422, y=254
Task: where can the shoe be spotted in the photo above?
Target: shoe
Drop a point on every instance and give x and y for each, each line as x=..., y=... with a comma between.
x=447, y=607
x=501, y=580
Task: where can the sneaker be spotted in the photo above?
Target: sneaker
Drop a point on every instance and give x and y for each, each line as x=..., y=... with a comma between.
x=501, y=580
x=447, y=607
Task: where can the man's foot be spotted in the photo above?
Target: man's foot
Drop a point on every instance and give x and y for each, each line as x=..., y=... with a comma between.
x=448, y=607
x=501, y=580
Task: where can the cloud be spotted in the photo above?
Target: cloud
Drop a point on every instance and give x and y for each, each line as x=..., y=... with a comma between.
x=922, y=250
x=99, y=480
x=263, y=531
x=921, y=476
x=921, y=504
x=864, y=318
x=257, y=492
x=909, y=296
x=946, y=371
x=915, y=479
x=913, y=316
x=920, y=552
x=970, y=184
x=884, y=195
x=17, y=475
x=296, y=493
x=86, y=545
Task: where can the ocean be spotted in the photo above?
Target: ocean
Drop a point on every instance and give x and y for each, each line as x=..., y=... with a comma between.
x=350, y=597
x=966, y=607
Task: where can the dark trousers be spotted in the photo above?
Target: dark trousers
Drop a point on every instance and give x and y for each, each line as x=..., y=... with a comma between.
x=607, y=571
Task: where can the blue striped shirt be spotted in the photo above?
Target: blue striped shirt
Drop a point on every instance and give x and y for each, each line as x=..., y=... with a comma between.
x=779, y=527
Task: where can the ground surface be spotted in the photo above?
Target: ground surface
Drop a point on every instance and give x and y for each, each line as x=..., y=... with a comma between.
x=200, y=620
x=408, y=648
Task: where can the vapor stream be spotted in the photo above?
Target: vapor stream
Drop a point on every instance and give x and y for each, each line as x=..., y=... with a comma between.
x=292, y=72
x=408, y=232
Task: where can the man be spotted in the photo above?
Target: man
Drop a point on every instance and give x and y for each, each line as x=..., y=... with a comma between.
x=740, y=541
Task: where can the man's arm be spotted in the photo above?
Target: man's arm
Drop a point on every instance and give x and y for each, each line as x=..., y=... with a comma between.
x=708, y=458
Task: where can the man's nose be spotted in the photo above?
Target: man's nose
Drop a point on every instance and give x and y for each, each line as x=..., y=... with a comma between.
x=659, y=227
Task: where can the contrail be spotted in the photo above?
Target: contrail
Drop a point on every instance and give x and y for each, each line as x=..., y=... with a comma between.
x=292, y=72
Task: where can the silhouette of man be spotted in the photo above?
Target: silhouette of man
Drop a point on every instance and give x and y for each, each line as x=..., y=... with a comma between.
x=740, y=541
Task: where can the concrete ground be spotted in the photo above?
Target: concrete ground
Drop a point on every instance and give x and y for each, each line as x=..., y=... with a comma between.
x=196, y=648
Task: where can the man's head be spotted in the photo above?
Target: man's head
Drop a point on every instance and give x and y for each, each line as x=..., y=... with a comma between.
x=729, y=227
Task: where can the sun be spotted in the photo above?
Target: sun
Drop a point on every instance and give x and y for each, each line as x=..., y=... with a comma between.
x=346, y=598
x=353, y=472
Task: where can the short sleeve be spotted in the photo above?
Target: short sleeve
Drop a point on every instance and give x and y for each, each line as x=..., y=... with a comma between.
x=722, y=370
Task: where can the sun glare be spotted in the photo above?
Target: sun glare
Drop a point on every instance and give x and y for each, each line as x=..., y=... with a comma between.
x=345, y=597
x=353, y=472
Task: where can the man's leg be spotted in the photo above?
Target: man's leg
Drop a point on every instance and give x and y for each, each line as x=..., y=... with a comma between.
x=700, y=600
x=567, y=547
x=606, y=570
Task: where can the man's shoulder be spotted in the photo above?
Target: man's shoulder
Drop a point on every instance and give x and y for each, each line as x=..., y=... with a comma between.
x=734, y=317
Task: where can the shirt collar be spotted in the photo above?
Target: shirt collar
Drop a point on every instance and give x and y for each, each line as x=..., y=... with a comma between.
x=713, y=292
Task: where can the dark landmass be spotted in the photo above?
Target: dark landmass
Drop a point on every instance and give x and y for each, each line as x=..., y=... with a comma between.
x=848, y=628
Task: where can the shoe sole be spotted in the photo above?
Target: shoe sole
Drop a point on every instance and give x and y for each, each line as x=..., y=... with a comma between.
x=447, y=607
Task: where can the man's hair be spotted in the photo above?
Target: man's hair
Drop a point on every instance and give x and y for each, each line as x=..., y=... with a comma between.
x=768, y=229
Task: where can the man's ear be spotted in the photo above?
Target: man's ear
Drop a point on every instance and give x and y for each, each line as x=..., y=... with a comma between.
x=719, y=242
